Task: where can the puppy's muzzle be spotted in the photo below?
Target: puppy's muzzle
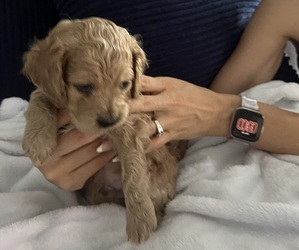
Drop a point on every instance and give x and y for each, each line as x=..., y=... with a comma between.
x=107, y=122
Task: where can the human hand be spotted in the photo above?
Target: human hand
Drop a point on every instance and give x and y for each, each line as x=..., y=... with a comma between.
x=76, y=157
x=184, y=110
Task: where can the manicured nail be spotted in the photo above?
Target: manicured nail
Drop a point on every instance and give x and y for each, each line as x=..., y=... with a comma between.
x=115, y=159
x=104, y=147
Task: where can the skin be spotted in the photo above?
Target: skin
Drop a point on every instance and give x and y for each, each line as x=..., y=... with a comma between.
x=261, y=47
x=75, y=158
x=187, y=111
x=210, y=114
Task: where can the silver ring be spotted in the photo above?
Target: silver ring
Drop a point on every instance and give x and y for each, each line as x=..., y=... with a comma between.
x=159, y=127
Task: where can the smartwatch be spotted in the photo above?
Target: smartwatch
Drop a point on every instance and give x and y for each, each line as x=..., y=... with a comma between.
x=247, y=123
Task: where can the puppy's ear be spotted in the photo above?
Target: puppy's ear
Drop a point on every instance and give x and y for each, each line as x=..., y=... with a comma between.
x=43, y=65
x=139, y=65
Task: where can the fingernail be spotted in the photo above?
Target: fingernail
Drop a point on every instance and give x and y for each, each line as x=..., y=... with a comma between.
x=104, y=147
x=115, y=159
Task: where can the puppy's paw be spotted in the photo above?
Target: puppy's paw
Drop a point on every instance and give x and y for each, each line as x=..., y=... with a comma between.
x=140, y=227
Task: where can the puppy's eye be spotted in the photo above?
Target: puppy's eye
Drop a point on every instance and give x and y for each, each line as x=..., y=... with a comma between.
x=124, y=85
x=84, y=88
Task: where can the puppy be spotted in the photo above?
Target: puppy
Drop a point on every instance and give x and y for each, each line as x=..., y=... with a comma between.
x=91, y=68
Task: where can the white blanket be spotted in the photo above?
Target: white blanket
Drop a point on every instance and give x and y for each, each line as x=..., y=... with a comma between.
x=228, y=196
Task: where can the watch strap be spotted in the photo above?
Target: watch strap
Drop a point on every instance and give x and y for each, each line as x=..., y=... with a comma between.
x=249, y=103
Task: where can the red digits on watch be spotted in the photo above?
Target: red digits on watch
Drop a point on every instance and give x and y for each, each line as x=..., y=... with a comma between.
x=247, y=126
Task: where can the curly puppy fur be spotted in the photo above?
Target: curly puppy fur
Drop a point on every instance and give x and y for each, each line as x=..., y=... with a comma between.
x=91, y=67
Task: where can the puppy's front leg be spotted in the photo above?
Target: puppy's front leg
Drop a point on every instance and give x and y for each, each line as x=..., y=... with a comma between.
x=41, y=128
x=140, y=211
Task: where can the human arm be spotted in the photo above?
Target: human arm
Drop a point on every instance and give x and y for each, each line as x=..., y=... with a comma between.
x=260, y=50
x=75, y=158
x=186, y=111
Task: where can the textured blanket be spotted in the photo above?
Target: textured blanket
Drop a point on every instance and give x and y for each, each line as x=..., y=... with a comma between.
x=229, y=197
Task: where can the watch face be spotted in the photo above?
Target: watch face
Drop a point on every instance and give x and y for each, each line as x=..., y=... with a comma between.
x=247, y=124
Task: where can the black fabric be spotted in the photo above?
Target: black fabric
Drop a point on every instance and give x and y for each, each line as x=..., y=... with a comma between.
x=189, y=39
x=20, y=22
x=286, y=72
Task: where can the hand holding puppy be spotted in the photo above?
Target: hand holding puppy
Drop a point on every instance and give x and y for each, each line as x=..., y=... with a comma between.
x=185, y=111
x=75, y=158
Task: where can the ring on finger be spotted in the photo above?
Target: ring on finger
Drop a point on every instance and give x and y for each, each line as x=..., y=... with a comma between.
x=160, y=130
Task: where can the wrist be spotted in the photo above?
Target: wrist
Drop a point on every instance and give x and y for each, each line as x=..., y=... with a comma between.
x=227, y=106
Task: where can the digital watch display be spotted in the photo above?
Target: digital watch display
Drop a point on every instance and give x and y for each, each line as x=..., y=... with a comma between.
x=247, y=123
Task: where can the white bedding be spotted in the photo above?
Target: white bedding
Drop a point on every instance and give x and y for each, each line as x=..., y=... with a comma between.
x=228, y=196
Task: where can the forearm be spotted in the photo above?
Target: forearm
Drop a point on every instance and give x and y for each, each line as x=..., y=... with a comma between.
x=259, y=53
x=281, y=134
x=281, y=130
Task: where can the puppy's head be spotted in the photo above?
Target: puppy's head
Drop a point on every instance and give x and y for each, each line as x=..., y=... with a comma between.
x=90, y=67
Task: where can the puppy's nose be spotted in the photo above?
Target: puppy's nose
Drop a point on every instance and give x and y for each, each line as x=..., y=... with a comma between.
x=104, y=123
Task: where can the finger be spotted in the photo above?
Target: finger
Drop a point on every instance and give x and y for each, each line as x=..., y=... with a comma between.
x=158, y=141
x=60, y=170
x=153, y=125
x=153, y=128
x=146, y=104
x=70, y=160
x=81, y=155
x=71, y=141
x=151, y=84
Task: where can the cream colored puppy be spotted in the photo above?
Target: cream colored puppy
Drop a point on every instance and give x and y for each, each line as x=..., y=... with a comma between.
x=91, y=67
